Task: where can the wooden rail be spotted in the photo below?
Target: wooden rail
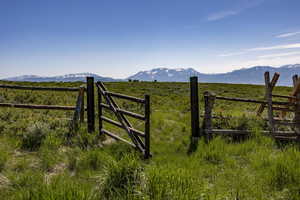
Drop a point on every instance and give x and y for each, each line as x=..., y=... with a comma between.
x=125, y=112
x=32, y=106
x=63, y=89
x=122, y=96
x=254, y=101
x=79, y=111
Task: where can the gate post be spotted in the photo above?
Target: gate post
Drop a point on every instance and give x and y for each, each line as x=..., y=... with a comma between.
x=194, y=107
x=99, y=110
x=147, y=127
x=90, y=104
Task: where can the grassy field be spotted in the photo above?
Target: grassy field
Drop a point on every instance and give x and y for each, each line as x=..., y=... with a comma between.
x=39, y=161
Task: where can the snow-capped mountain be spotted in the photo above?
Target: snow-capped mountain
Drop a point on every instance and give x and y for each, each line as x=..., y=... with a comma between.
x=62, y=78
x=165, y=74
x=253, y=75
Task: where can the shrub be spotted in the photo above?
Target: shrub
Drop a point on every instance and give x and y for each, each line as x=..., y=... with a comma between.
x=34, y=136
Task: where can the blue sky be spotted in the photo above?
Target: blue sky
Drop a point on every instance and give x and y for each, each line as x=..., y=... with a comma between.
x=118, y=38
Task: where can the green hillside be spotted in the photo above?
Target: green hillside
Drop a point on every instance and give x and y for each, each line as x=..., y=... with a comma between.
x=40, y=160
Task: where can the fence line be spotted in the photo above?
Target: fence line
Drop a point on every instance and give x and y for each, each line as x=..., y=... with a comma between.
x=62, y=89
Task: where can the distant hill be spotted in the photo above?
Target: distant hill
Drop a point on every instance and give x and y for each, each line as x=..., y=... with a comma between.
x=253, y=75
x=63, y=78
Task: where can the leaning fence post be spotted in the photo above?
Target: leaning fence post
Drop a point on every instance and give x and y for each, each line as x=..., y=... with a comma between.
x=269, y=100
x=209, y=100
x=147, y=126
x=100, y=111
x=297, y=107
x=194, y=107
x=82, y=90
x=90, y=104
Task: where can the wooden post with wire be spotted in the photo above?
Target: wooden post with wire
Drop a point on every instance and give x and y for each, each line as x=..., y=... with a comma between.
x=269, y=100
x=90, y=104
x=147, y=153
x=194, y=107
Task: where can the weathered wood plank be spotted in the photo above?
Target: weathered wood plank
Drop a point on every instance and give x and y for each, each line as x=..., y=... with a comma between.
x=269, y=100
x=272, y=85
x=32, y=106
x=113, y=122
x=131, y=114
x=147, y=153
x=252, y=101
x=209, y=100
x=116, y=137
x=90, y=104
x=123, y=96
x=17, y=87
x=194, y=99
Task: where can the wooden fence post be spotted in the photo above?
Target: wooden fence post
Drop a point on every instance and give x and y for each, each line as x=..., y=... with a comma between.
x=100, y=111
x=82, y=91
x=194, y=107
x=209, y=100
x=269, y=100
x=147, y=127
x=297, y=108
x=295, y=79
x=90, y=104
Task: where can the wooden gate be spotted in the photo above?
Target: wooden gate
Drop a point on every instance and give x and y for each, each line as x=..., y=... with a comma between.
x=139, y=140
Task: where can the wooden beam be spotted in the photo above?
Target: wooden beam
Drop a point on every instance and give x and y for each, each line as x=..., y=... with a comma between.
x=269, y=100
x=113, y=122
x=90, y=104
x=17, y=87
x=147, y=153
x=122, y=96
x=116, y=137
x=194, y=99
x=42, y=107
x=125, y=112
x=272, y=85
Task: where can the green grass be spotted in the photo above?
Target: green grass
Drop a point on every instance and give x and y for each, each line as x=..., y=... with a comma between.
x=38, y=160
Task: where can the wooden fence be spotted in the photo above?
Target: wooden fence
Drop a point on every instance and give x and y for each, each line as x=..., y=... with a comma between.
x=290, y=105
x=79, y=109
x=139, y=140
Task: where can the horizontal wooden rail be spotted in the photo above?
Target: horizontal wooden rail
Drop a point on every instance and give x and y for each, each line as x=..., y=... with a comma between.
x=122, y=96
x=116, y=137
x=120, y=126
x=284, y=96
x=48, y=107
x=253, y=101
x=125, y=112
x=247, y=132
x=39, y=88
x=283, y=109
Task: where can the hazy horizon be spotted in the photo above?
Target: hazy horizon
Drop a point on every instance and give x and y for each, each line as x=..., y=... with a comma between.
x=119, y=38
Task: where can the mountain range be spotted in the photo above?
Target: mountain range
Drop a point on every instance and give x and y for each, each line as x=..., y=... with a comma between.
x=252, y=75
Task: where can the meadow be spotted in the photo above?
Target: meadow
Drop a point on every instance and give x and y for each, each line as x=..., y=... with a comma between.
x=40, y=160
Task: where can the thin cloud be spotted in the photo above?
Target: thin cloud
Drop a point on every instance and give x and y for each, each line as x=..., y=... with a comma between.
x=285, y=35
x=243, y=5
x=221, y=15
x=279, y=55
x=277, y=47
